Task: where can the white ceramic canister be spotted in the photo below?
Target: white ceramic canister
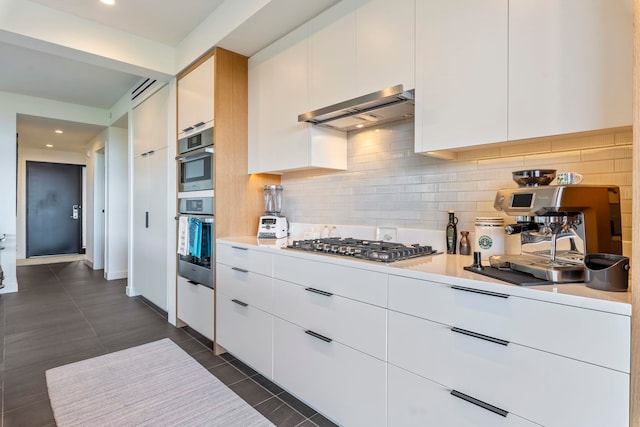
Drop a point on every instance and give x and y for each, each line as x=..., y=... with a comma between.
x=489, y=236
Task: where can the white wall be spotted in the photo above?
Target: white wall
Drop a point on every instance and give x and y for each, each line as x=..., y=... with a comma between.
x=117, y=207
x=8, y=194
x=95, y=200
x=37, y=155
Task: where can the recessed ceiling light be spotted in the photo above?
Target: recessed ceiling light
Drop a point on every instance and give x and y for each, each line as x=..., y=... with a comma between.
x=58, y=131
x=49, y=145
x=359, y=126
x=109, y=2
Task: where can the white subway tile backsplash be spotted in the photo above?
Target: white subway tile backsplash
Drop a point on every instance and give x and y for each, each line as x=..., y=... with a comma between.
x=389, y=185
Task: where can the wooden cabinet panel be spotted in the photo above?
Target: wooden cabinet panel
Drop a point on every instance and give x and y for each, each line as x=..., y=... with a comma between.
x=570, y=65
x=596, y=337
x=546, y=388
x=342, y=383
x=246, y=332
x=195, y=306
x=461, y=73
x=352, y=323
x=416, y=401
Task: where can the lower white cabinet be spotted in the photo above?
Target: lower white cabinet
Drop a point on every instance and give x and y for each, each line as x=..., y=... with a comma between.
x=245, y=331
x=342, y=383
x=543, y=387
x=416, y=401
x=195, y=306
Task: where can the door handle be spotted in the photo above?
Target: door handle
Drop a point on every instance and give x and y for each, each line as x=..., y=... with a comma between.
x=75, y=212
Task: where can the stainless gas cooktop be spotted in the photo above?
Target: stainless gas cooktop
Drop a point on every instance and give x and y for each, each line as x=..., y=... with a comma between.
x=373, y=250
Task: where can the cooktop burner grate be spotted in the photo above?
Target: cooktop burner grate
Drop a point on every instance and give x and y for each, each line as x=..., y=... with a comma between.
x=374, y=250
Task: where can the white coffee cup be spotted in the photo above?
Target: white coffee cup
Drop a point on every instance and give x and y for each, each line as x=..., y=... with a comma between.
x=566, y=178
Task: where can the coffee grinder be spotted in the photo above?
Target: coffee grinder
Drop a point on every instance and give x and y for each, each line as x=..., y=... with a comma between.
x=272, y=224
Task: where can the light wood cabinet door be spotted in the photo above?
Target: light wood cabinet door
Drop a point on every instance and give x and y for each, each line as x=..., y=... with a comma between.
x=385, y=44
x=461, y=73
x=570, y=65
x=195, y=99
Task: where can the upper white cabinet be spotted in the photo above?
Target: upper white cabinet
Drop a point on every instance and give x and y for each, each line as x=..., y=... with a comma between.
x=570, y=66
x=149, y=124
x=278, y=93
x=195, y=103
x=385, y=41
x=461, y=73
x=332, y=56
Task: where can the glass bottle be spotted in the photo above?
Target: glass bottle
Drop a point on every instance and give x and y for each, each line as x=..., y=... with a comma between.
x=452, y=233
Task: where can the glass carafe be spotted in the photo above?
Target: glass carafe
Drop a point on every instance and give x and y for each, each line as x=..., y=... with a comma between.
x=272, y=199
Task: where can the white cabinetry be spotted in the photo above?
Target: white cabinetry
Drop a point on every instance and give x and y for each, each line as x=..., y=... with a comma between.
x=461, y=73
x=500, y=350
x=195, y=103
x=338, y=365
x=244, y=305
x=385, y=34
x=150, y=219
x=570, y=65
x=195, y=306
x=278, y=93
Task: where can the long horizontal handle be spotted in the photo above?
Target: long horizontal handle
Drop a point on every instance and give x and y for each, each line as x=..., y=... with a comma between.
x=319, y=292
x=240, y=248
x=317, y=335
x=479, y=336
x=241, y=270
x=480, y=403
x=244, y=304
x=479, y=291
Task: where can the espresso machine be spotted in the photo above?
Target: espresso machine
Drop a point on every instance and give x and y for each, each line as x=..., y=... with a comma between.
x=272, y=224
x=558, y=225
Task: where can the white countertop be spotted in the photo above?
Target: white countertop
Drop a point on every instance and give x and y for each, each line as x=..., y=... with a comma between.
x=449, y=269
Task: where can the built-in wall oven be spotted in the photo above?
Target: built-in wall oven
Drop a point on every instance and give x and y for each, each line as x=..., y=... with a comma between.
x=196, y=233
x=196, y=161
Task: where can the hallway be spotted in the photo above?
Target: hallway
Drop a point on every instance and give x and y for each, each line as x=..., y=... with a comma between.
x=66, y=312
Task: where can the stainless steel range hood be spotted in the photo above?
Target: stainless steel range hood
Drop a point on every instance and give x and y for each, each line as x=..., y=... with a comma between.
x=384, y=106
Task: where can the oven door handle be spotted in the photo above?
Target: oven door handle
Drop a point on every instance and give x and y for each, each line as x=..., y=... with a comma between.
x=209, y=219
x=201, y=153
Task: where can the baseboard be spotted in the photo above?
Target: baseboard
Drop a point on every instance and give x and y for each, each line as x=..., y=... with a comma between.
x=89, y=263
x=115, y=276
x=131, y=292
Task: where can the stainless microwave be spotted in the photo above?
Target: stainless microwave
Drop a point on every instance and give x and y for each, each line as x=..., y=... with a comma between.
x=195, y=170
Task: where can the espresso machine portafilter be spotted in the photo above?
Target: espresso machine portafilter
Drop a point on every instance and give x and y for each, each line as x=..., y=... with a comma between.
x=558, y=226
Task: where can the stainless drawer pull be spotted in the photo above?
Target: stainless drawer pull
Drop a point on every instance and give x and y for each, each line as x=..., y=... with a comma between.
x=241, y=270
x=479, y=403
x=480, y=291
x=479, y=336
x=239, y=248
x=319, y=292
x=197, y=125
x=244, y=304
x=317, y=335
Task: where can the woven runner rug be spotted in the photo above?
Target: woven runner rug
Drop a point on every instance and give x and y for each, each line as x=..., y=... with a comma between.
x=155, y=384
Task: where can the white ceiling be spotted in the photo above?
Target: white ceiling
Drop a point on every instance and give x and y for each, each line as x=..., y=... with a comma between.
x=36, y=132
x=46, y=75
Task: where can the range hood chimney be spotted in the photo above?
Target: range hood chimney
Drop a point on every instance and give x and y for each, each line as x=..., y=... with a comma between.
x=384, y=106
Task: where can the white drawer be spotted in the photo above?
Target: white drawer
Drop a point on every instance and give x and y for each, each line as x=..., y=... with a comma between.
x=246, y=332
x=254, y=289
x=245, y=258
x=195, y=306
x=356, y=324
x=589, y=335
x=362, y=285
x=546, y=388
x=343, y=384
x=415, y=401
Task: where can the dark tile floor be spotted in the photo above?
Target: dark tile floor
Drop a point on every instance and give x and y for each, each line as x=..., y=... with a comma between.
x=67, y=312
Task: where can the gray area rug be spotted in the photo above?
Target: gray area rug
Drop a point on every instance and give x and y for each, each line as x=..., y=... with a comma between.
x=153, y=384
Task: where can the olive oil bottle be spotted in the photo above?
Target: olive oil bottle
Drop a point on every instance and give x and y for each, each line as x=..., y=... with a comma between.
x=452, y=233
